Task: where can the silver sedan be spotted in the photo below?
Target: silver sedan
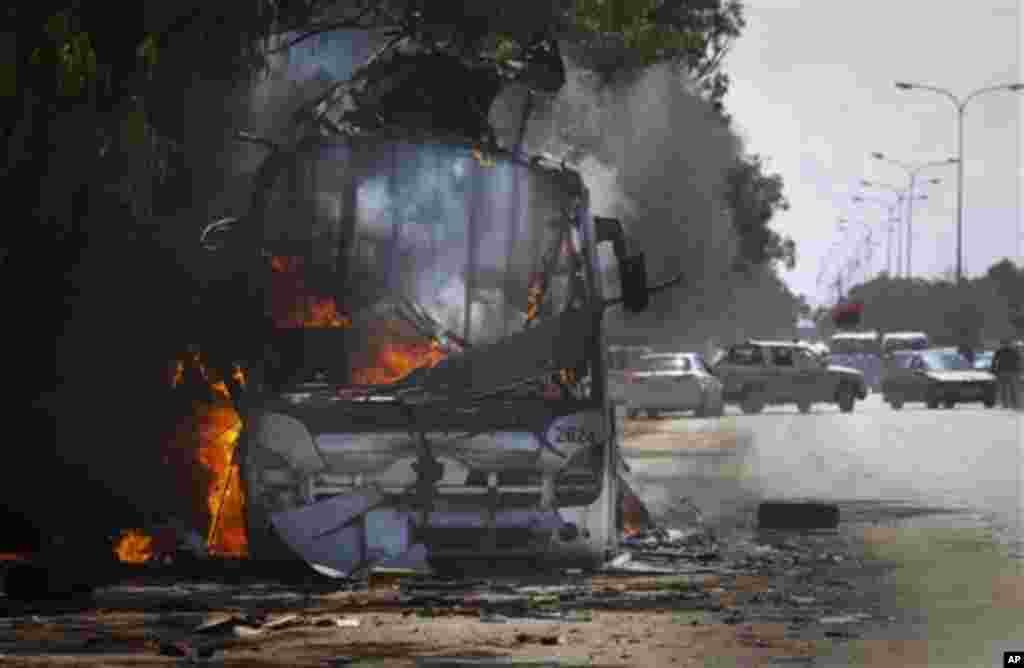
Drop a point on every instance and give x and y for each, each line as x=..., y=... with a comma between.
x=664, y=382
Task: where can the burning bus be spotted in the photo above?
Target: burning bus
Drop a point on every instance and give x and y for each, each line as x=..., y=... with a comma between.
x=432, y=386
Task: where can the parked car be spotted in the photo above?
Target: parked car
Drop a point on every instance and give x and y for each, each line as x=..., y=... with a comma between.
x=936, y=376
x=673, y=382
x=983, y=360
x=759, y=373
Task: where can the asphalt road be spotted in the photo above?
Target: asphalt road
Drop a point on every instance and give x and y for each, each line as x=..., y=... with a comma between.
x=968, y=457
x=945, y=484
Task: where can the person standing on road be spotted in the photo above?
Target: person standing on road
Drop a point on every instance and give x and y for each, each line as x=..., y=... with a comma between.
x=967, y=352
x=1006, y=367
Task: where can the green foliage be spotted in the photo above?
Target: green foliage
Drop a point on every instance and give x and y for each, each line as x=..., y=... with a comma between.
x=70, y=51
x=636, y=21
x=149, y=51
x=134, y=128
x=505, y=49
x=696, y=35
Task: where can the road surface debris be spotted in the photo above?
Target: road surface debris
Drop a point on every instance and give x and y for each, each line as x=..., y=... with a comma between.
x=671, y=593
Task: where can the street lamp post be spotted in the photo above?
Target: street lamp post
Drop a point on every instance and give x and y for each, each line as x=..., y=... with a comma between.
x=832, y=262
x=901, y=197
x=912, y=173
x=891, y=223
x=827, y=264
x=863, y=248
x=961, y=105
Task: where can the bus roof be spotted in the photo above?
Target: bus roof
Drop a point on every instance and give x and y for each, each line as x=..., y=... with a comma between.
x=905, y=335
x=778, y=344
x=855, y=335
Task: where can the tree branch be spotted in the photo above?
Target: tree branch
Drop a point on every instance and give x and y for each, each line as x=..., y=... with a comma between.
x=714, y=62
x=306, y=110
x=348, y=24
x=253, y=139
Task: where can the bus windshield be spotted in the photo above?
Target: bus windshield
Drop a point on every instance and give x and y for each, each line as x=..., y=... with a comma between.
x=419, y=250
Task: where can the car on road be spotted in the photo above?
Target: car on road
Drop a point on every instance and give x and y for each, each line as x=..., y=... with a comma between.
x=983, y=360
x=663, y=382
x=894, y=341
x=936, y=376
x=759, y=373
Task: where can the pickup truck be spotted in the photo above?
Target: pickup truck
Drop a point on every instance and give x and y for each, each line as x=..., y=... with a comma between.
x=760, y=373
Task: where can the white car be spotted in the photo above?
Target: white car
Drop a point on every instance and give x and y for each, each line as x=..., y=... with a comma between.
x=673, y=382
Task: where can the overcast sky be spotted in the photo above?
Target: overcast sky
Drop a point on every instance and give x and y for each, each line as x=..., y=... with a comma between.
x=813, y=90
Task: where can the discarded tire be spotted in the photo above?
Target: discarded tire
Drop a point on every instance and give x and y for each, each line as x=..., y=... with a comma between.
x=797, y=515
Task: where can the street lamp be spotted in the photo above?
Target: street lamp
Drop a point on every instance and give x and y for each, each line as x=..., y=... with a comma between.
x=961, y=105
x=912, y=172
x=891, y=224
x=830, y=262
x=863, y=248
x=901, y=196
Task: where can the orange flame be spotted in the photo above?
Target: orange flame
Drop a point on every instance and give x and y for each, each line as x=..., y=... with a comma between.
x=294, y=304
x=134, y=547
x=394, y=361
x=219, y=426
x=204, y=446
x=238, y=376
x=482, y=158
x=635, y=517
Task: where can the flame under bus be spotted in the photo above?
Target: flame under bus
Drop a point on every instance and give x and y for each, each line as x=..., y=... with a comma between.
x=434, y=384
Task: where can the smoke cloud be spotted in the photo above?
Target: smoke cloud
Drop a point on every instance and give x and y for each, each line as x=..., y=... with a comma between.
x=655, y=155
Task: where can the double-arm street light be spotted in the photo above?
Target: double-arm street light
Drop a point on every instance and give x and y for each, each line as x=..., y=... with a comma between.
x=912, y=172
x=891, y=224
x=961, y=105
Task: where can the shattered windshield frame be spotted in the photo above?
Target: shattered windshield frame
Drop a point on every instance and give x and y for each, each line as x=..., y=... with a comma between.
x=387, y=243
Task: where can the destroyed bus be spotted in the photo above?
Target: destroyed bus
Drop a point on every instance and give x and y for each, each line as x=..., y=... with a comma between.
x=434, y=386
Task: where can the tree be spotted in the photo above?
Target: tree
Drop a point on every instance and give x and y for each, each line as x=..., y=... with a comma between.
x=976, y=311
x=1008, y=280
x=754, y=197
x=804, y=309
x=695, y=35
